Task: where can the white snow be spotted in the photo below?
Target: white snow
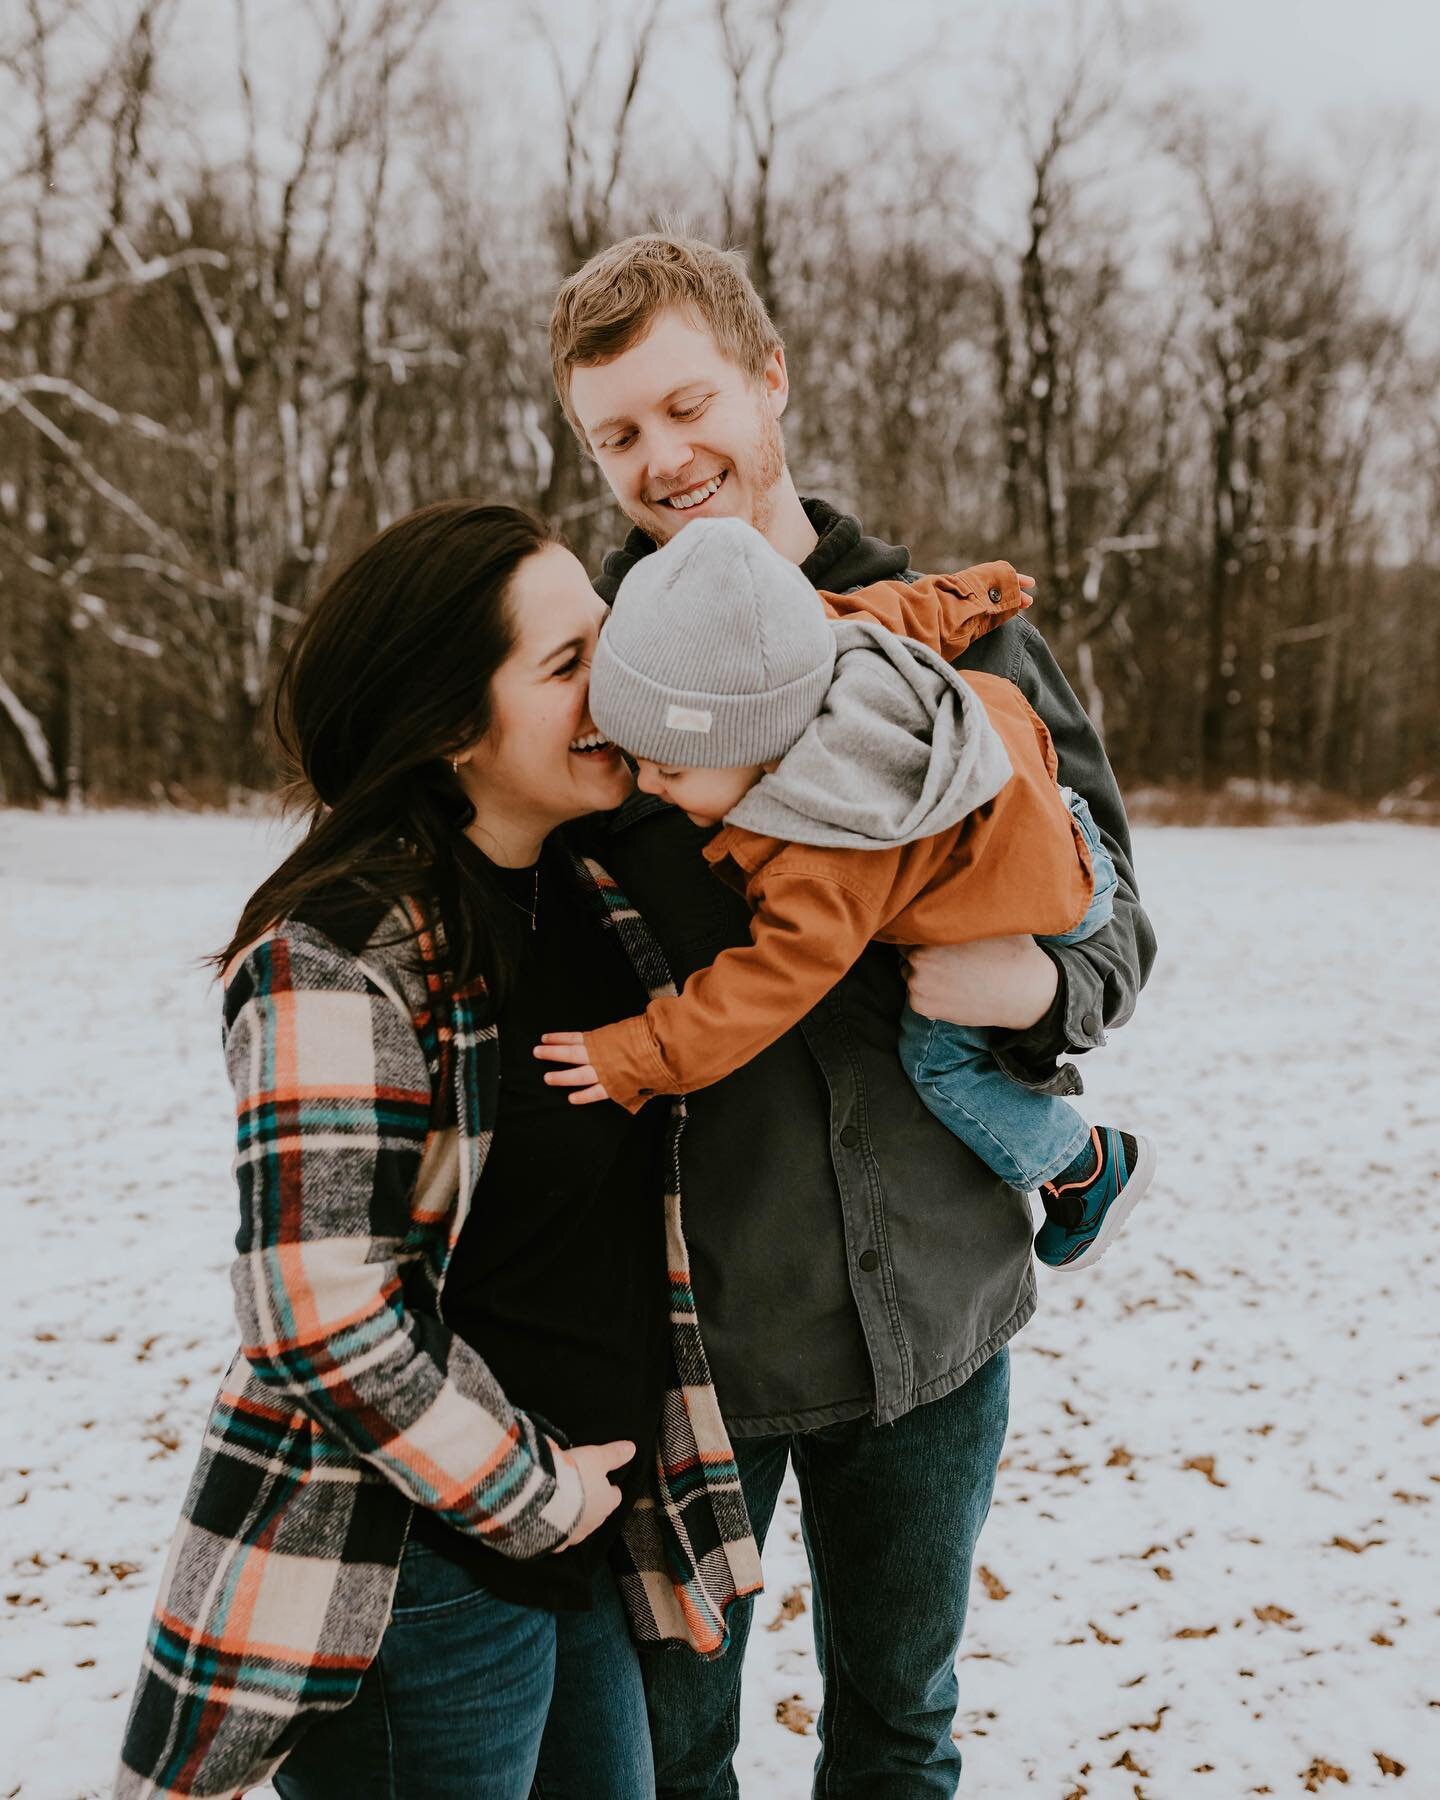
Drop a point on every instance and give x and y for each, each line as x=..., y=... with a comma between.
x=1263, y=1620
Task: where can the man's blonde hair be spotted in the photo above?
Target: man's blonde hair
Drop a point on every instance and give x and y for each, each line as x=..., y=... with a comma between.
x=612, y=302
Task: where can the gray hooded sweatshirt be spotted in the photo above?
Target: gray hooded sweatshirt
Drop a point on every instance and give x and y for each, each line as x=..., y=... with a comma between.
x=901, y=750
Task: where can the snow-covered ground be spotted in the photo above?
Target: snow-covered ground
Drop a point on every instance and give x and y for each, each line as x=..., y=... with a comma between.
x=1211, y=1568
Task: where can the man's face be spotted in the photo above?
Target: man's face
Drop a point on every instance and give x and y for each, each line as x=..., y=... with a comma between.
x=680, y=432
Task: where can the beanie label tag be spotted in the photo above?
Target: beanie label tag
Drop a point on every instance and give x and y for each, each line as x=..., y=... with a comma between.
x=688, y=718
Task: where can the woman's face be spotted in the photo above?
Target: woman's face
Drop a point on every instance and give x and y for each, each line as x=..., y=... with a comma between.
x=542, y=761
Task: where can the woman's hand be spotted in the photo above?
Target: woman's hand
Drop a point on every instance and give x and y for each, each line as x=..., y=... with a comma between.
x=1004, y=982
x=568, y=1047
x=593, y=1463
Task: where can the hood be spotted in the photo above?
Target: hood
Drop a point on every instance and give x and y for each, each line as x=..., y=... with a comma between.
x=844, y=558
x=901, y=750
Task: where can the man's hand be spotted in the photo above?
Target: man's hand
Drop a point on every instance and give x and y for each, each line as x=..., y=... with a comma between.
x=1006, y=983
x=568, y=1047
x=593, y=1463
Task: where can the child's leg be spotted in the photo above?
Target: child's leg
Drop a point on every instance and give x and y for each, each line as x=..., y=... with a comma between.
x=1089, y=1177
x=1102, y=865
x=1025, y=1137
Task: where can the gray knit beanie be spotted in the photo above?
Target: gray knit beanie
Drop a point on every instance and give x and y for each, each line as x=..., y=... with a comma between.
x=717, y=653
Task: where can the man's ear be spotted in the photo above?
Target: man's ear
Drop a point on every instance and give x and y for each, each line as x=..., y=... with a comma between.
x=777, y=382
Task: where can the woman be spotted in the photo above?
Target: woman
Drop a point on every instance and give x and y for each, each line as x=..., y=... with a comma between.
x=392, y=1577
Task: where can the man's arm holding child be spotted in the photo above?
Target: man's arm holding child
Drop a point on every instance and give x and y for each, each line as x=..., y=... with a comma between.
x=1059, y=999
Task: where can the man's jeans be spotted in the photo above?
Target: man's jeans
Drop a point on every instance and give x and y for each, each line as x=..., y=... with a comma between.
x=471, y=1698
x=1024, y=1136
x=891, y=1514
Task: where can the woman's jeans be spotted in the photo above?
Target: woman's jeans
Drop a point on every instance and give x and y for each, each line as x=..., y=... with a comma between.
x=1024, y=1136
x=471, y=1698
x=891, y=1515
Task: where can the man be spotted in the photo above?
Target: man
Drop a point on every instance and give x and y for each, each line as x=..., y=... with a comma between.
x=858, y=1272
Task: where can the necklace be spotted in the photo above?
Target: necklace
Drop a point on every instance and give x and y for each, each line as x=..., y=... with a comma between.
x=532, y=910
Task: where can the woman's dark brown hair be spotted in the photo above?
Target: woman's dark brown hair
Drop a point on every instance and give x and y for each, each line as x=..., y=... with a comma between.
x=388, y=677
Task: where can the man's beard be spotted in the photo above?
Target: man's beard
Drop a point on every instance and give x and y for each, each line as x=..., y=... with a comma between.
x=766, y=460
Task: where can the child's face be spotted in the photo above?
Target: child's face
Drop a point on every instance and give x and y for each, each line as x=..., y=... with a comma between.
x=703, y=795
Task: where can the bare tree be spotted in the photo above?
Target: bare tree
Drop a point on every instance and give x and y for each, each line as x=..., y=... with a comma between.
x=597, y=103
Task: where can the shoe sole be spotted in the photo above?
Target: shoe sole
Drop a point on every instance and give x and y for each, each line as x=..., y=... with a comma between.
x=1114, y=1220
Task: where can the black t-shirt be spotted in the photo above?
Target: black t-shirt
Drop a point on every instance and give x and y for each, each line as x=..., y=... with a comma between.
x=558, y=1279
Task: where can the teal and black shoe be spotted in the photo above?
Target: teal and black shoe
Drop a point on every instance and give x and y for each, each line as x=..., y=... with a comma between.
x=1087, y=1203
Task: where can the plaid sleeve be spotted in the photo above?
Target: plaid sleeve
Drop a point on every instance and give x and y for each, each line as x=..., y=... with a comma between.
x=333, y=1112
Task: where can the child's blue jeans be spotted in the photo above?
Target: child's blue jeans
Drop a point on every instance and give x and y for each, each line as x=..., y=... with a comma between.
x=1025, y=1137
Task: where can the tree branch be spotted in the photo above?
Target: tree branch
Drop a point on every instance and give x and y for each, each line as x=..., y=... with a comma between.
x=157, y=269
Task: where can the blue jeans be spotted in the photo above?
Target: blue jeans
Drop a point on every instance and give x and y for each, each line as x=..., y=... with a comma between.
x=1025, y=1137
x=471, y=1698
x=891, y=1515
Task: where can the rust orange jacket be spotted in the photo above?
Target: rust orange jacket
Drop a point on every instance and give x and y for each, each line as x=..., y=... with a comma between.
x=1016, y=864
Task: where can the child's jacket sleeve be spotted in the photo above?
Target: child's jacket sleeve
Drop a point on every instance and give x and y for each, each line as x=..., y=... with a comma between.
x=807, y=930
x=946, y=613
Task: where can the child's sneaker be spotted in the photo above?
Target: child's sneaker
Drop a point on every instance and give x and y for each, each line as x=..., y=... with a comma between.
x=1086, y=1204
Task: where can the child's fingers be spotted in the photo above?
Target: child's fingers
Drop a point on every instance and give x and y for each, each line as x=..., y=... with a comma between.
x=588, y=1096
x=583, y=1076
x=562, y=1037
x=562, y=1053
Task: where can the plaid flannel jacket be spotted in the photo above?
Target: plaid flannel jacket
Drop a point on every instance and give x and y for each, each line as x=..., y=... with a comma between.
x=366, y=1092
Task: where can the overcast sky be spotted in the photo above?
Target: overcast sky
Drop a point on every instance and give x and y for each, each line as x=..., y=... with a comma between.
x=1298, y=62
x=1320, y=73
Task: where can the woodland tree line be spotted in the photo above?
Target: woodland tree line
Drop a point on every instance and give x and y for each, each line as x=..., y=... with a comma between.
x=1214, y=439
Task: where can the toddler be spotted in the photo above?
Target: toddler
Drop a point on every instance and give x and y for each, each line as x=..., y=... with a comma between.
x=868, y=791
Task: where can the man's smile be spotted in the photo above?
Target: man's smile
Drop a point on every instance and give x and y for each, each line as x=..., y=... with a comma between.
x=692, y=497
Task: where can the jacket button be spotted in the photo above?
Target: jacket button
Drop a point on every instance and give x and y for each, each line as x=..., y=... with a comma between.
x=869, y=1261
x=1090, y=1023
x=850, y=1136
x=996, y=596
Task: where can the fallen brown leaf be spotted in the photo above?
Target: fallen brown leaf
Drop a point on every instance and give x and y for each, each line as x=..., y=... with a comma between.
x=1204, y=1465
x=1273, y=1615
x=791, y=1607
x=794, y=1715
x=1119, y=1458
x=1388, y=1764
x=1197, y=1631
x=1127, y=1761
x=1104, y=1637
x=1320, y=1772
x=1344, y=1543
x=992, y=1584
x=1161, y=1572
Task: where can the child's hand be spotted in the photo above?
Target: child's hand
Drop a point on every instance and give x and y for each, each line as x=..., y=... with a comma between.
x=569, y=1047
